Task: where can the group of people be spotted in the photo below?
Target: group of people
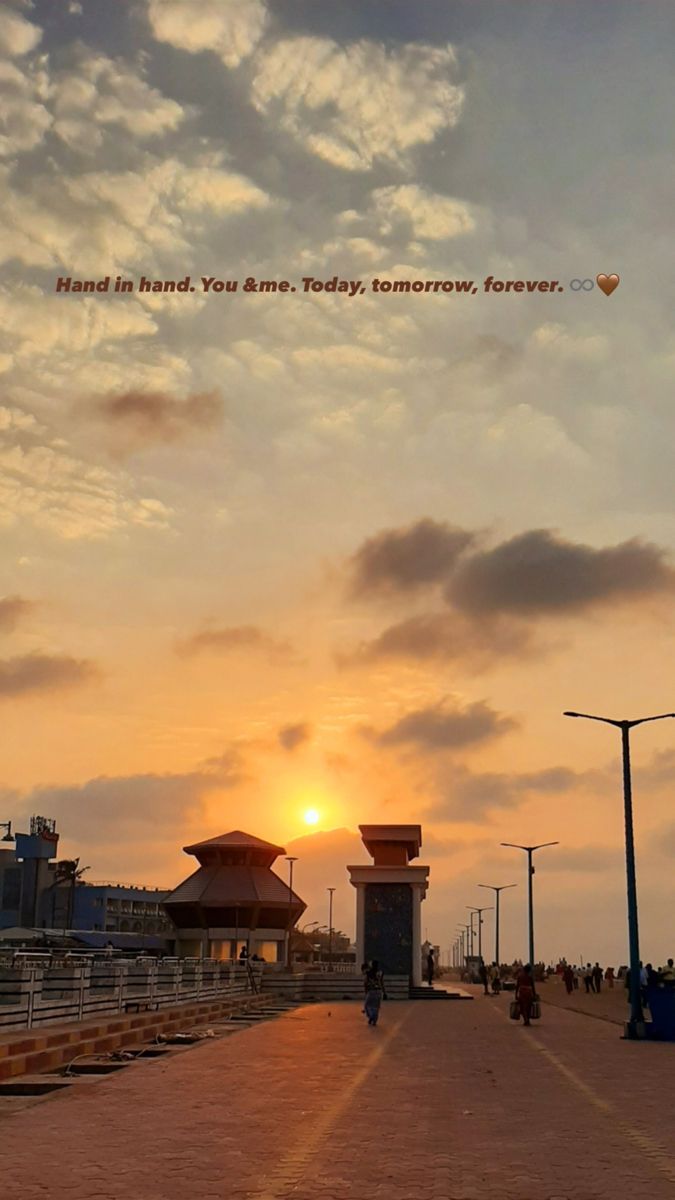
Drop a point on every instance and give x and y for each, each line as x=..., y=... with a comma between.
x=490, y=978
x=592, y=977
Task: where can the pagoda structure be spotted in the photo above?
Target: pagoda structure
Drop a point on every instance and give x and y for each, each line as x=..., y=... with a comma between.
x=234, y=899
x=389, y=895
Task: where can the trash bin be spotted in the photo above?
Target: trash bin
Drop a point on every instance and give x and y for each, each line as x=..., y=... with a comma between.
x=661, y=1001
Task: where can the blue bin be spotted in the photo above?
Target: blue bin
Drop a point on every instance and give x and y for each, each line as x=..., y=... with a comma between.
x=661, y=1001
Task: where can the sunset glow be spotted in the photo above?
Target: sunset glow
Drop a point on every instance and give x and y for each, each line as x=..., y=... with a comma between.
x=291, y=559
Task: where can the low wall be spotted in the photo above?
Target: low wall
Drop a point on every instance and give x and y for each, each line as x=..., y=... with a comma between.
x=324, y=985
x=35, y=996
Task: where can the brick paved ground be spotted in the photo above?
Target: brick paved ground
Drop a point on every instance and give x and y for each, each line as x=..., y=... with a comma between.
x=611, y=1004
x=443, y=1100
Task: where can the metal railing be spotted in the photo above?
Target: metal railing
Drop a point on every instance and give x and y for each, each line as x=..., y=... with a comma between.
x=42, y=994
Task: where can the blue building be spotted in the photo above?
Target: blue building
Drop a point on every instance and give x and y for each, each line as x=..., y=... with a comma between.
x=37, y=892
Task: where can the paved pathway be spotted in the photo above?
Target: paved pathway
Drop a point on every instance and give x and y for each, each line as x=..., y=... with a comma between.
x=442, y=1101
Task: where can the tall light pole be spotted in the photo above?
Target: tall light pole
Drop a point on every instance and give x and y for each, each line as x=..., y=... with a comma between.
x=470, y=933
x=330, y=891
x=635, y=1026
x=464, y=941
x=497, y=891
x=480, y=912
x=290, y=860
x=529, y=850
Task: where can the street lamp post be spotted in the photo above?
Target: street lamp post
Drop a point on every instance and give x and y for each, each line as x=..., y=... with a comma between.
x=635, y=1026
x=330, y=891
x=464, y=943
x=529, y=850
x=480, y=912
x=497, y=891
x=290, y=860
x=471, y=934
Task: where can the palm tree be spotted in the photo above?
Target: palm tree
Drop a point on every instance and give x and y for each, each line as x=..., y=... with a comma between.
x=68, y=870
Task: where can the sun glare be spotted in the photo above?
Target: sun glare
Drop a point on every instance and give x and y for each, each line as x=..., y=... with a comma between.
x=311, y=817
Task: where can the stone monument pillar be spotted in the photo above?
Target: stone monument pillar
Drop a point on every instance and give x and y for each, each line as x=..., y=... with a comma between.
x=389, y=895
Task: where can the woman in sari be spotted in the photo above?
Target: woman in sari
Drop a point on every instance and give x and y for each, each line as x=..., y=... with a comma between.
x=525, y=992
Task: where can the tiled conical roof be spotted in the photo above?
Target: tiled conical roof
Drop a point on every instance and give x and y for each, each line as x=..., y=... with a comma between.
x=236, y=839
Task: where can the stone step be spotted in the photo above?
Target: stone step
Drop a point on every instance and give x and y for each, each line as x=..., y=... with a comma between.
x=44, y=1052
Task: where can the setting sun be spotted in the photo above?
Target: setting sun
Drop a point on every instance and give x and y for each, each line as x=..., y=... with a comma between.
x=311, y=817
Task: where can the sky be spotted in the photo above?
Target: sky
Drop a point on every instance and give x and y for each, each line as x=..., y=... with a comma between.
x=268, y=553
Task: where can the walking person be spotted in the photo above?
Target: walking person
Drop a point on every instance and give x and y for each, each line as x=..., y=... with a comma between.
x=597, y=977
x=374, y=989
x=568, y=979
x=483, y=976
x=609, y=977
x=495, y=979
x=588, y=978
x=430, y=966
x=525, y=992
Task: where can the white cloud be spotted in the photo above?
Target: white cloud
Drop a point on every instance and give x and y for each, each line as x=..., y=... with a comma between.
x=43, y=483
x=24, y=118
x=102, y=92
x=227, y=27
x=36, y=323
x=103, y=222
x=17, y=36
x=354, y=104
x=430, y=215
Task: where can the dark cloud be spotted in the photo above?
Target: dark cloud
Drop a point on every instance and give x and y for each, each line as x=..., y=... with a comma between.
x=493, y=596
x=444, y=727
x=443, y=637
x=157, y=417
x=110, y=805
x=466, y=796
x=538, y=572
x=12, y=609
x=402, y=560
x=31, y=673
x=292, y=736
x=233, y=638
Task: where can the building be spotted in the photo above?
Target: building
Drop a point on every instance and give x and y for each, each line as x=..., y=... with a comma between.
x=37, y=892
x=234, y=899
x=389, y=895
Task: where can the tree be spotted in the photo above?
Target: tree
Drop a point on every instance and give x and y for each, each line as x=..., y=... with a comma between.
x=69, y=871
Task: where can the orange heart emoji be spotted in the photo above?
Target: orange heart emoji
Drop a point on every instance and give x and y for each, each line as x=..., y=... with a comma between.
x=607, y=283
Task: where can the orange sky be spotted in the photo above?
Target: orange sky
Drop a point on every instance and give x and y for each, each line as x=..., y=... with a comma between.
x=270, y=553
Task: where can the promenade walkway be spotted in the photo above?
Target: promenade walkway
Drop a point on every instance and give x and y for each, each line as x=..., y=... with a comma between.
x=442, y=1101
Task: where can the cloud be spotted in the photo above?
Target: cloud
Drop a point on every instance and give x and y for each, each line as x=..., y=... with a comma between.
x=444, y=637
x=109, y=806
x=352, y=105
x=228, y=28
x=105, y=222
x=444, y=726
x=405, y=559
x=103, y=92
x=31, y=673
x=12, y=609
x=428, y=214
x=292, y=736
x=17, y=36
x=539, y=572
x=42, y=482
x=468, y=796
x=235, y=638
x=156, y=417
x=24, y=118
x=494, y=597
